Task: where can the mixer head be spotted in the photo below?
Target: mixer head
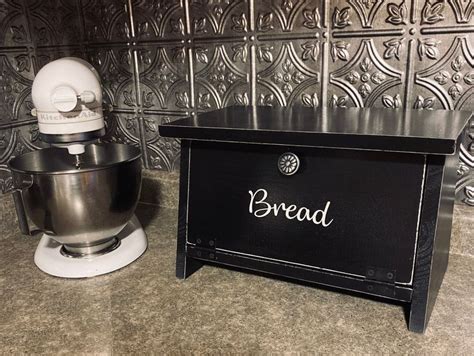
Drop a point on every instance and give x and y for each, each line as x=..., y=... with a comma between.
x=68, y=103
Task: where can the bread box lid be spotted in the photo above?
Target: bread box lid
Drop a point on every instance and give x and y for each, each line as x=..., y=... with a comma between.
x=415, y=131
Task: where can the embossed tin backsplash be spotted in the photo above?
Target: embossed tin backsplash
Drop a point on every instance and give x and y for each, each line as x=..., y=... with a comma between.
x=161, y=60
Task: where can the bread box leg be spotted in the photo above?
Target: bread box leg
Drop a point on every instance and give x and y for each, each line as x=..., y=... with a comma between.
x=434, y=236
x=185, y=266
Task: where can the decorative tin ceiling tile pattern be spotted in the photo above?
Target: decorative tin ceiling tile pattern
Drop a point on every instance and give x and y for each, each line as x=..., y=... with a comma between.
x=229, y=18
x=14, y=29
x=54, y=23
x=288, y=72
x=360, y=72
x=159, y=20
x=163, y=77
x=221, y=74
x=104, y=21
x=122, y=128
x=44, y=55
x=162, y=153
x=115, y=68
x=16, y=74
x=161, y=60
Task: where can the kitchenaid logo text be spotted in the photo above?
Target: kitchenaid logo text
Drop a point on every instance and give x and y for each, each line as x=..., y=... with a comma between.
x=69, y=116
x=259, y=208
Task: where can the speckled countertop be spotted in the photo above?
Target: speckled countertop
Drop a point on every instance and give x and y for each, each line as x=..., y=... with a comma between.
x=143, y=308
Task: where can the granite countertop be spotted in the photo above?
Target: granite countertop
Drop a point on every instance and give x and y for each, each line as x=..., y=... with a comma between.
x=144, y=308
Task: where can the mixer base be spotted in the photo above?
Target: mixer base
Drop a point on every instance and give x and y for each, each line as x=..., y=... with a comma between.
x=50, y=259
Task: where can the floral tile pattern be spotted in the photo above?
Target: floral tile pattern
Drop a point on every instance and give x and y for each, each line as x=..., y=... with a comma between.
x=161, y=60
x=106, y=21
x=274, y=16
x=288, y=73
x=160, y=152
x=163, y=77
x=16, y=74
x=219, y=18
x=365, y=77
x=44, y=55
x=13, y=24
x=159, y=20
x=221, y=75
x=449, y=74
x=55, y=22
x=122, y=128
x=115, y=68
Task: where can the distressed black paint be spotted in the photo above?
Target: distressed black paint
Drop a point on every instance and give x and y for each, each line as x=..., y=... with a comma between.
x=388, y=204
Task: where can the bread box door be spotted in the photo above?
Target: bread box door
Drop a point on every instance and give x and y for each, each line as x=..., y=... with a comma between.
x=342, y=211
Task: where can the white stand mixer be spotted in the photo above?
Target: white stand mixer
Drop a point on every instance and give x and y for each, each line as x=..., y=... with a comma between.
x=81, y=193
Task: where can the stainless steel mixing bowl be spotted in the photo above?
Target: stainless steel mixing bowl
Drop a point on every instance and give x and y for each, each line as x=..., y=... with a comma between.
x=85, y=207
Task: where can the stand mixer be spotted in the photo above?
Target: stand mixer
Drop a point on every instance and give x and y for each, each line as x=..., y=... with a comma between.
x=80, y=193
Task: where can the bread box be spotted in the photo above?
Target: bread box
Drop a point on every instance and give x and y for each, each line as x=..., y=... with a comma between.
x=357, y=199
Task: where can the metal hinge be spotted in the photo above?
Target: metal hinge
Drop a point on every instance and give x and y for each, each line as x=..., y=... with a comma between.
x=206, y=242
x=205, y=248
x=380, y=274
x=202, y=253
x=380, y=280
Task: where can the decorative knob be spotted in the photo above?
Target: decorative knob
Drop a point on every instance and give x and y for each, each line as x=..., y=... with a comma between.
x=288, y=163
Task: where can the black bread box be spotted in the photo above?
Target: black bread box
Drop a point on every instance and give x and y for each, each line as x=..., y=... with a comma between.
x=358, y=199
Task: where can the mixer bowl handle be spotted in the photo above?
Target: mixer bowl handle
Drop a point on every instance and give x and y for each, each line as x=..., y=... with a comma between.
x=18, y=186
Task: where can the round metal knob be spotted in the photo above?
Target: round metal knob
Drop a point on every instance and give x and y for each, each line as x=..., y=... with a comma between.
x=288, y=163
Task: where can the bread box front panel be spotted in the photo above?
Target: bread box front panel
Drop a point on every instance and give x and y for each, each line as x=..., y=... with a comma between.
x=343, y=211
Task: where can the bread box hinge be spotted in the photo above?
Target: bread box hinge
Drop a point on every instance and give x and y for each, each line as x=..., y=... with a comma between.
x=380, y=281
x=201, y=253
x=380, y=274
x=205, y=248
x=206, y=242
